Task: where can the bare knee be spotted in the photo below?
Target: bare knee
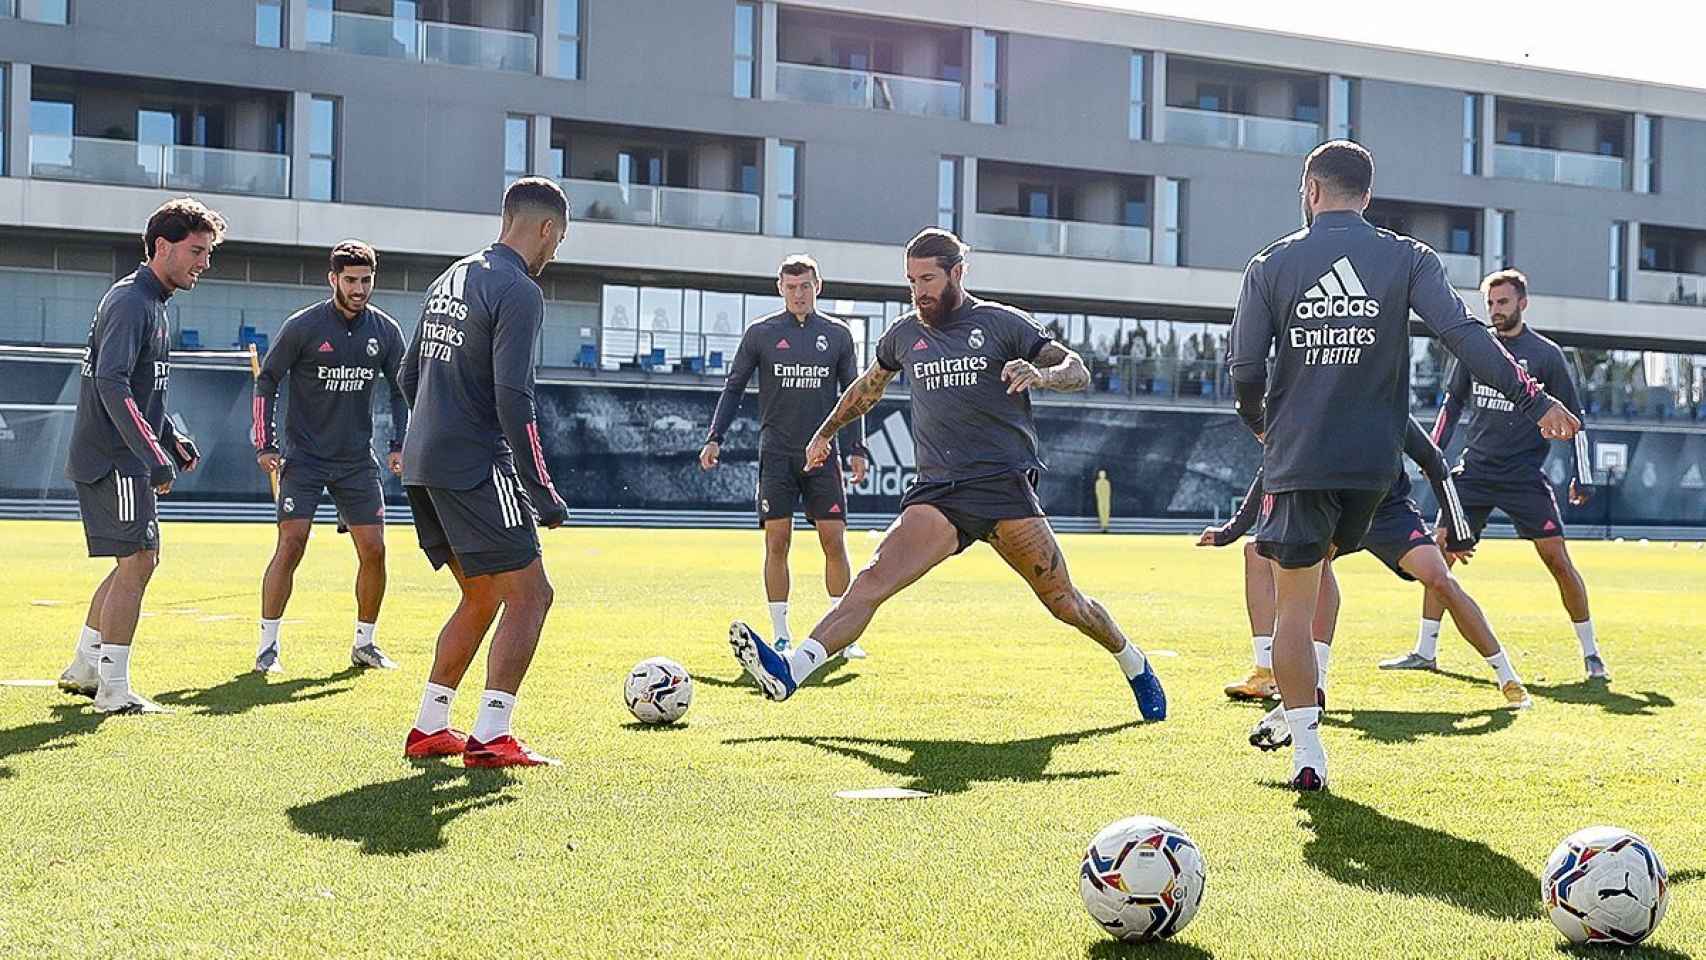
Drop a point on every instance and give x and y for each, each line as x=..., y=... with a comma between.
x=370, y=554
x=777, y=541
x=291, y=546
x=1440, y=580
x=138, y=568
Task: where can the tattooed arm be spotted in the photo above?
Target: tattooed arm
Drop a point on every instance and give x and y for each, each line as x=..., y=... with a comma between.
x=1054, y=368
x=858, y=399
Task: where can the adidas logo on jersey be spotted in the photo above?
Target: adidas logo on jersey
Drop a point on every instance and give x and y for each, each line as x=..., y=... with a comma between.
x=1339, y=293
x=326, y=346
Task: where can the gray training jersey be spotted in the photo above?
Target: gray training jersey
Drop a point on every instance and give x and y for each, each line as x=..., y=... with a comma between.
x=121, y=420
x=965, y=425
x=802, y=369
x=1332, y=302
x=1502, y=443
x=331, y=364
x=469, y=379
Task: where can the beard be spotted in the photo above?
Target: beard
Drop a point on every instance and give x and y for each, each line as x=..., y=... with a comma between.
x=1505, y=323
x=938, y=310
x=345, y=304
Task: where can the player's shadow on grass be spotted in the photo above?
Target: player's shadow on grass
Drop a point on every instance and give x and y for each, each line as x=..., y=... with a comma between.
x=1362, y=847
x=1589, y=693
x=248, y=690
x=70, y=720
x=403, y=816
x=1162, y=950
x=1404, y=726
x=941, y=767
x=830, y=676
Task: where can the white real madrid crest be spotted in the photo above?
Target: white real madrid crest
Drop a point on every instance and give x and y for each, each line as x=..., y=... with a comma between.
x=822, y=343
x=975, y=341
x=372, y=347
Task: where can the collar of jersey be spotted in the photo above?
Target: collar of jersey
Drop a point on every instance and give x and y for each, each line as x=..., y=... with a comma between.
x=509, y=253
x=145, y=276
x=331, y=308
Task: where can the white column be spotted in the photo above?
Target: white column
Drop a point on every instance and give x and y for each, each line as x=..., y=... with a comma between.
x=296, y=24
x=1338, y=89
x=1631, y=257
x=1489, y=131
x=549, y=18
x=539, y=160
x=1493, y=253
x=1157, y=94
x=968, y=199
x=1641, y=179
x=767, y=52
x=301, y=128
x=979, y=110
x=772, y=186
x=17, y=108
x=1164, y=222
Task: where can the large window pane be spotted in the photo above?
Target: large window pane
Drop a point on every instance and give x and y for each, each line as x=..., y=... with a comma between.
x=269, y=23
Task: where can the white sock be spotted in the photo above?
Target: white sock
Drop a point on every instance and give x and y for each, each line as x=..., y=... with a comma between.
x=1501, y=665
x=363, y=634
x=1584, y=633
x=269, y=635
x=806, y=659
x=1264, y=650
x=779, y=619
x=115, y=667
x=434, y=714
x=1306, y=750
x=1427, y=640
x=89, y=646
x=1322, y=652
x=492, y=722
x=1132, y=661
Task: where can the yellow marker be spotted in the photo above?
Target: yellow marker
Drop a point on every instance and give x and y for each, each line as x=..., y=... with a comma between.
x=1104, y=498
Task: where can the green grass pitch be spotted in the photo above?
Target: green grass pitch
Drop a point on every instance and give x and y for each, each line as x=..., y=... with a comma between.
x=277, y=818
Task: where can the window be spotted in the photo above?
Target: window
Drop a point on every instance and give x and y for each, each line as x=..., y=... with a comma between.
x=3, y=112
x=1460, y=233
x=269, y=23
x=1306, y=101
x=518, y=144
x=1036, y=201
x=1609, y=141
x=568, y=39
x=787, y=189
x=1616, y=288
x=41, y=11
x=323, y=149
x=1646, y=154
x=1134, y=205
x=1214, y=96
x=948, y=193
x=748, y=180
x=1136, y=116
x=746, y=49
x=1472, y=134
x=1341, y=101
x=991, y=52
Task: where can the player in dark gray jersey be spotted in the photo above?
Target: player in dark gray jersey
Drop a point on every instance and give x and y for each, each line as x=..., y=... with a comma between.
x=804, y=360
x=1501, y=468
x=125, y=449
x=1332, y=303
x=332, y=354
x=474, y=470
x=970, y=365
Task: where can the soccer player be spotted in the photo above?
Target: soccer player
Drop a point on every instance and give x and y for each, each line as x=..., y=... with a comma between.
x=1332, y=302
x=474, y=470
x=331, y=353
x=1501, y=467
x=804, y=360
x=125, y=450
x=970, y=365
x=1398, y=536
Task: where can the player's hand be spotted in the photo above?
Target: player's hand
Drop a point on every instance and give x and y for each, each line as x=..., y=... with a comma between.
x=817, y=453
x=1210, y=537
x=708, y=454
x=1021, y=375
x=554, y=515
x=1559, y=423
x=860, y=466
x=1579, y=495
x=395, y=462
x=1442, y=538
x=270, y=462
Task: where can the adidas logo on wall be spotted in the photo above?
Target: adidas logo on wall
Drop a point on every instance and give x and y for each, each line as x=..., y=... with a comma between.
x=894, y=462
x=1339, y=293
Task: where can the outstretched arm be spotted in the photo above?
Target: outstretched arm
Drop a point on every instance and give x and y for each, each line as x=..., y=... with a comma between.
x=855, y=402
x=1053, y=368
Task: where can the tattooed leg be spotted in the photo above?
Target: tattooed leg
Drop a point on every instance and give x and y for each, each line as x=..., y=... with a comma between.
x=1030, y=548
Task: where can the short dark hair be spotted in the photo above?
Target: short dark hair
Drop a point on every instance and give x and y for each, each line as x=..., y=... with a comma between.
x=1344, y=166
x=939, y=243
x=1513, y=277
x=353, y=253
x=798, y=265
x=538, y=195
x=176, y=219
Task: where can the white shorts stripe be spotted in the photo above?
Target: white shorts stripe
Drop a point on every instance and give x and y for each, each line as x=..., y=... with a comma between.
x=1454, y=508
x=1584, y=459
x=506, y=499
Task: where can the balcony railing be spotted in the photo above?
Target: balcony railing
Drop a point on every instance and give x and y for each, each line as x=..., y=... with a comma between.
x=423, y=41
x=1557, y=166
x=1238, y=131
x=720, y=210
x=1462, y=269
x=921, y=96
x=1654, y=286
x=1062, y=238
x=128, y=163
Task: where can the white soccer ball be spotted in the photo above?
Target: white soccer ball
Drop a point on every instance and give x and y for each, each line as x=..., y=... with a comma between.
x=1605, y=885
x=658, y=690
x=1142, y=879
